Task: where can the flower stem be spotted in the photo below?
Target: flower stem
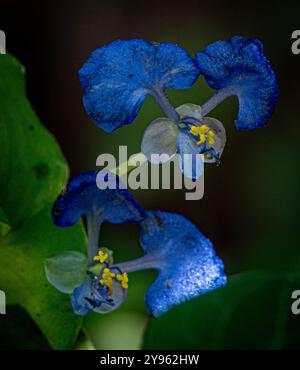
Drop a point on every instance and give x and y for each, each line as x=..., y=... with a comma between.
x=93, y=231
x=164, y=102
x=216, y=100
x=141, y=263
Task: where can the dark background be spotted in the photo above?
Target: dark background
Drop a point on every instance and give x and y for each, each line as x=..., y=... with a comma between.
x=250, y=208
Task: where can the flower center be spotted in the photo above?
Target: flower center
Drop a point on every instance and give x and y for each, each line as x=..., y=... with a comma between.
x=107, y=277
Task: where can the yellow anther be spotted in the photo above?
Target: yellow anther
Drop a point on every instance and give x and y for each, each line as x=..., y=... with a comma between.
x=101, y=257
x=210, y=133
x=204, y=134
x=123, y=278
x=107, y=279
x=203, y=129
x=202, y=139
x=194, y=130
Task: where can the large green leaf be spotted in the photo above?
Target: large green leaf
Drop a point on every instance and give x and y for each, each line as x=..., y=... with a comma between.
x=22, y=276
x=19, y=331
x=32, y=168
x=252, y=312
x=33, y=171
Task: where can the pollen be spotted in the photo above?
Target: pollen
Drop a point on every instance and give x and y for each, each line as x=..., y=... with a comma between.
x=101, y=257
x=204, y=134
x=202, y=139
x=107, y=279
x=123, y=278
x=194, y=130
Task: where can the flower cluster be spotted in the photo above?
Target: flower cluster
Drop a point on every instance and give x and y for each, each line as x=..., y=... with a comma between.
x=187, y=263
x=116, y=80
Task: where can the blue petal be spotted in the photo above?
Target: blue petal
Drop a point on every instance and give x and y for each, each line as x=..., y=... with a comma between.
x=239, y=67
x=83, y=197
x=190, y=161
x=82, y=298
x=118, y=77
x=187, y=263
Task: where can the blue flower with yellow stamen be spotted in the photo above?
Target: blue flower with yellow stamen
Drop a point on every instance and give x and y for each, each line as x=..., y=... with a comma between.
x=118, y=77
x=185, y=258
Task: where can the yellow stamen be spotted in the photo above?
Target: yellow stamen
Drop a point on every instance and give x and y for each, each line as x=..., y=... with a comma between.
x=210, y=133
x=211, y=141
x=194, y=130
x=101, y=257
x=123, y=278
x=107, y=279
x=202, y=139
x=204, y=134
x=203, y=129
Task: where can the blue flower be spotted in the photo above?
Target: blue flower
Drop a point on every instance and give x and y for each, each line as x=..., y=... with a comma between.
x=118, y=77
x=99, y=196
x=185, y=259
x=239, y=67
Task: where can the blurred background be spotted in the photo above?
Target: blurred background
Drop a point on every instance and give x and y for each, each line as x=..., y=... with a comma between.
x=251, y=201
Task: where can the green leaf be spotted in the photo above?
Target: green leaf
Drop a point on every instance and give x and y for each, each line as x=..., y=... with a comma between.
x=22, y=276
x=19, y=331
x=3, y=217
x=252, y=312
x=33, y=172
x=66, y=271
x=32, y=168
x=4, y=227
